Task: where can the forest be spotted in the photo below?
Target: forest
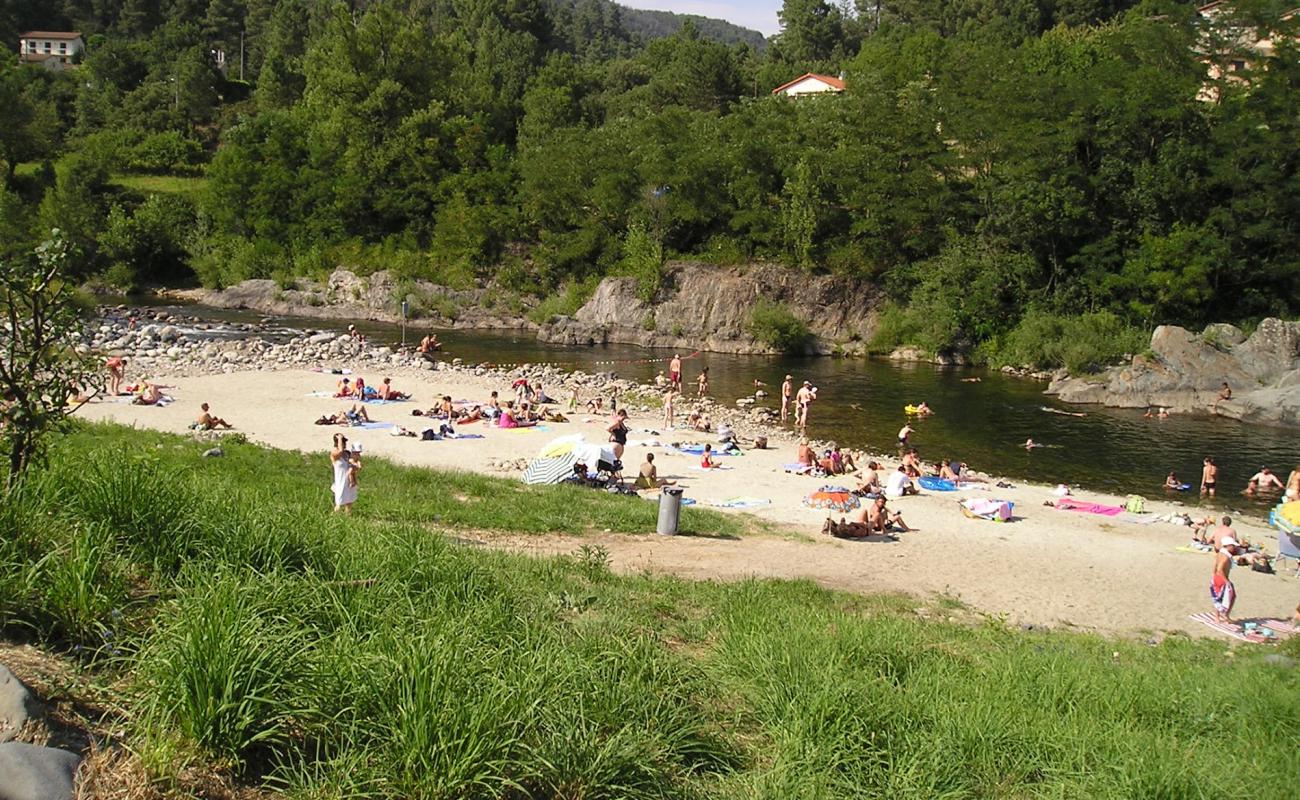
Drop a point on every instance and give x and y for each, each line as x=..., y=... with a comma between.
x=1009, y=173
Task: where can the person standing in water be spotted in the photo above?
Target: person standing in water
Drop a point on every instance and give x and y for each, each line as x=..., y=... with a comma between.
x=675, y=372
x=1209, y=477
x=787, y=392
x=803, y=400
x=346, y=464
x=703, y=383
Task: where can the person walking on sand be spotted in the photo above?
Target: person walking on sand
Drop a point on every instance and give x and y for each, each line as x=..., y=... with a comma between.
x=1209, y=477
x=675, y=372
x=1222, y=593
x=346, y=465
x=618, y=433
x=787, y=392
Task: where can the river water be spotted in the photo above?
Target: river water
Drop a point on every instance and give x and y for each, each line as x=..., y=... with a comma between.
x=860, y=404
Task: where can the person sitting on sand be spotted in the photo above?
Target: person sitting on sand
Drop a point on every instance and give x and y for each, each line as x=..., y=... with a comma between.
x=540, y=397
x=649, y=477
x=493, y=409
x=206, y=421
x=699, y=422
x=344, y=388
x=805, y=455
x=509, y=420
x=661, y=380
x=706, y=458
x=1263, y=481
x=899, y=484
x=387, y=392
x=595, y=405
x=474, y=414
x=826, y=464
x=869, y=481
x=946, y=471
x=842, y=460
x=359, y=389
x=879, y=518
x=1172, y=482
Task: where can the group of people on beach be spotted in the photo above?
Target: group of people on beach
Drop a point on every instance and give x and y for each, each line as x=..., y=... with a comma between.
x=1262, y=484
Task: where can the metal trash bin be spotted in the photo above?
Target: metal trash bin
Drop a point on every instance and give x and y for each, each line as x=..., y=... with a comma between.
x=670, y=508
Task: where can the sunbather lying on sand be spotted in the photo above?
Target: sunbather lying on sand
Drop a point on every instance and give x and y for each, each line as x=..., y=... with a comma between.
x=150, y=394
x=348, y=416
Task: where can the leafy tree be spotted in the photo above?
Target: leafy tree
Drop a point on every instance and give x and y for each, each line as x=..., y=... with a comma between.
x=40, y=368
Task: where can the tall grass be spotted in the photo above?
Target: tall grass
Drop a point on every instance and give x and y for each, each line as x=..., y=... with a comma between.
x=372, y=657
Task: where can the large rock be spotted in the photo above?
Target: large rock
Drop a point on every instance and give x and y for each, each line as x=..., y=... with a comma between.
x=704, y=306
x=1185, y=371
x=17, y=704
x=30, y=772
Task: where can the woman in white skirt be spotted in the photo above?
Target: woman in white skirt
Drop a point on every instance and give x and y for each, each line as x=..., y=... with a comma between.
x=346, y=463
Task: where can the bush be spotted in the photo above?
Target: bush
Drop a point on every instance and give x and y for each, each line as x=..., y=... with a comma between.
x=776, y=326
x=1082, y=343
x=564, y=303
x=169, y=151
x=643, y=259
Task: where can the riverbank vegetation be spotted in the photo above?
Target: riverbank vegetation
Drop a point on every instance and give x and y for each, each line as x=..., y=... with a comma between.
x=241, y=627
x=989, y=166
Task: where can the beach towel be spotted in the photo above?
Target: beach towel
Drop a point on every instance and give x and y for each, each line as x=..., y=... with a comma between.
x=984, y=508
x=741, y=502
x=698, y=468
x=798, y=469
x=468, y=436
x=936, y=484
x=375, y=401
x=374, y=426
x=1237, y=631
x=321, y=393
x=1069, y=504
x=698, y=449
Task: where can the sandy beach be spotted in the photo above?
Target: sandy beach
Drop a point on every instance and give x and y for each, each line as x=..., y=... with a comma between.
x=1047, y=567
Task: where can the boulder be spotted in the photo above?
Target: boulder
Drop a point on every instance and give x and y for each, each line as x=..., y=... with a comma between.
x=31, y=772
x=17, y=704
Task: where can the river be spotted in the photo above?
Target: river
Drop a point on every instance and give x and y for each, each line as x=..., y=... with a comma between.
x=860, y=404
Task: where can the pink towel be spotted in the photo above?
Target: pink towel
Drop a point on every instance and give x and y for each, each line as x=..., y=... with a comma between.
x=1068, y=504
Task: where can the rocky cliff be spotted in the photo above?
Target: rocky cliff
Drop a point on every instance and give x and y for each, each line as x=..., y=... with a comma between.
x=1184, y=372
x=704, y=306
x=699, y=306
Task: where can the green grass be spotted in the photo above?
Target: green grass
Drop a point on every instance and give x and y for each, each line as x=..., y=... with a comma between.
x=373, y=657
x=186, y=186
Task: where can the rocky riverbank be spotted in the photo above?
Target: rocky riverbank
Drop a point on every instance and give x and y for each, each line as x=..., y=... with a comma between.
x=1185, y=371
x=698, y=306
x=158, y=343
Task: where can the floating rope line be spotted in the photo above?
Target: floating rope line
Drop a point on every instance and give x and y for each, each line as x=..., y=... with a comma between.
x=517, y=364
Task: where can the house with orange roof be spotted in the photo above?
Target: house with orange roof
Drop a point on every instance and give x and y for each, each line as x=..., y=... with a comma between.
x=811, y=83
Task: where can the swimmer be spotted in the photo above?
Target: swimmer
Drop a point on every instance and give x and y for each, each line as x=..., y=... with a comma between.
x=970, y=380
x=1263, y=481
x=1030, y=444
x=1163, y=413
x=1209, y=477
x=1051, y=410
x=923, y=409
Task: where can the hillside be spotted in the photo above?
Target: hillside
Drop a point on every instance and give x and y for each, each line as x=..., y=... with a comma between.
x=648, y=24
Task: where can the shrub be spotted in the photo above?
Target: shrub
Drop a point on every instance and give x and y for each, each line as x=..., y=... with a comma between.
x=776, y=326
x=1082, y=343
x=564, y=303
x=168, y=151
x=643, y=259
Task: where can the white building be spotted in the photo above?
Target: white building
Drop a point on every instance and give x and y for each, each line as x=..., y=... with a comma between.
x=810, y=83
x=54, y=49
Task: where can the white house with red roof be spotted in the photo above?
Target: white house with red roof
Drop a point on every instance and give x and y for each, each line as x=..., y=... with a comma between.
x=810, y=83
x=54, y=49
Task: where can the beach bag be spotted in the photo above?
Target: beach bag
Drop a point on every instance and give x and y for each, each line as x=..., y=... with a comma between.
x=1136, y=504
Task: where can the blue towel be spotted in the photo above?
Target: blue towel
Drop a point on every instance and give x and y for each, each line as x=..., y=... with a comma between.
x=936, y=484
x=374, y=426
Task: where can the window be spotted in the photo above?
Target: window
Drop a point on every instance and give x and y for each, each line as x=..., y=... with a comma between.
x=63, y=47
x=45, y=46
x=1237, y=66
